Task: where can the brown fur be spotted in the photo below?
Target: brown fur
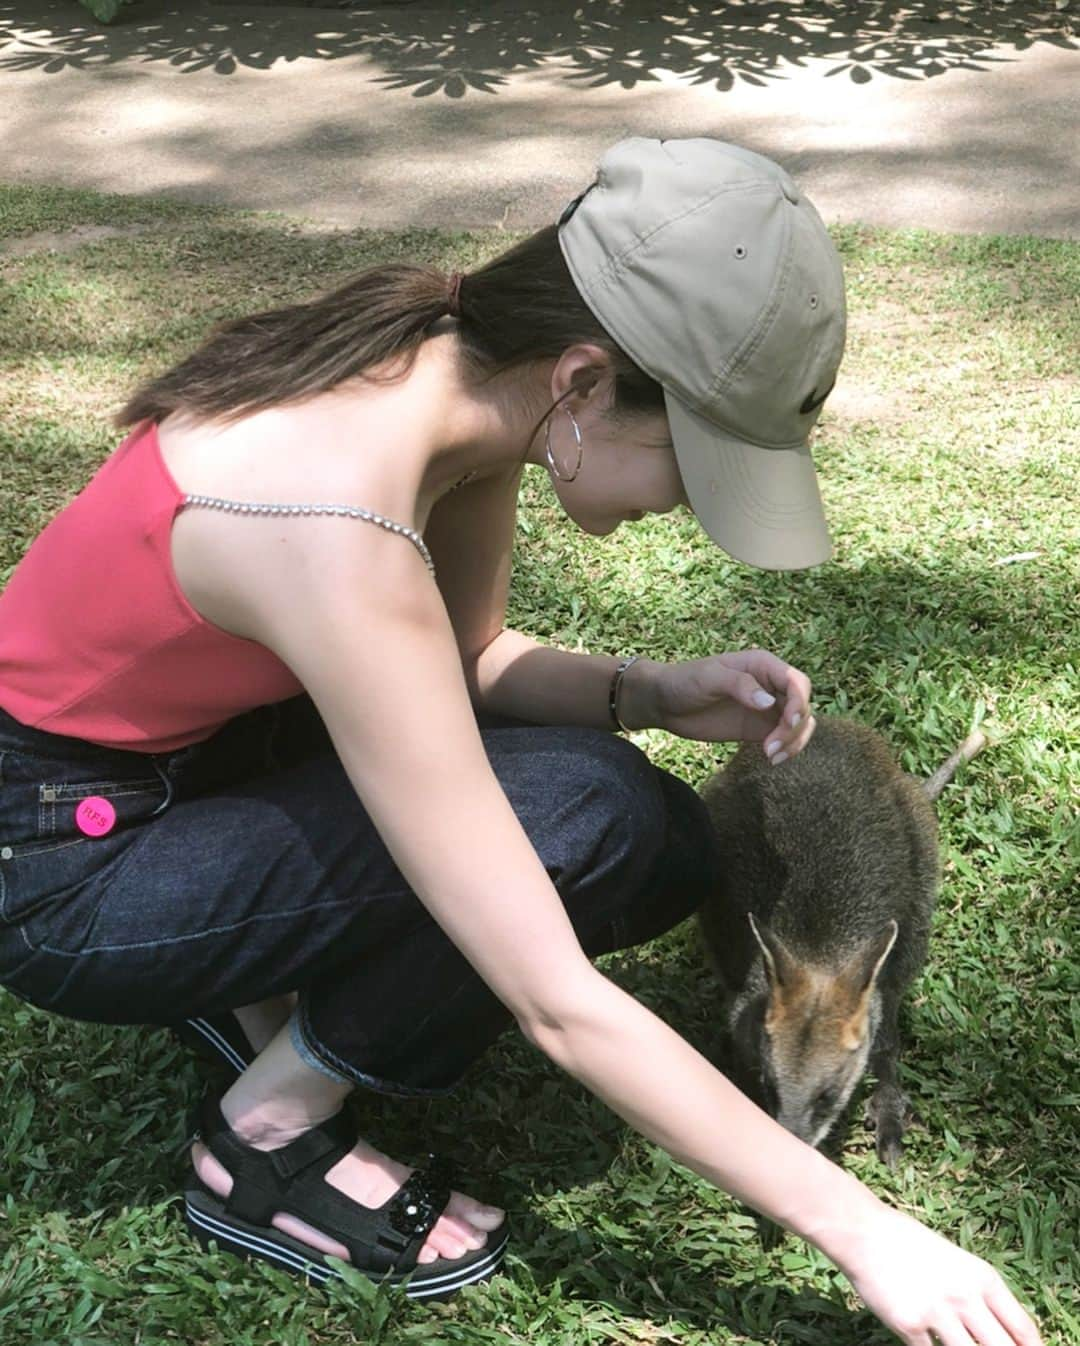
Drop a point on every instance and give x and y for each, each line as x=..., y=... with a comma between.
x=820, y=923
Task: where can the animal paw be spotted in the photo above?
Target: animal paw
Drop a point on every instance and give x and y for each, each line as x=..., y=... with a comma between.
x=770, y=1235
x=889, y=1112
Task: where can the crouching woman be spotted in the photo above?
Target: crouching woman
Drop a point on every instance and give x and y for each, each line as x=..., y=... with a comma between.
x=273, y=766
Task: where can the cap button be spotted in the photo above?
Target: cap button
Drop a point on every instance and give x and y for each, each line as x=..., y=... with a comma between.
x=790, y=190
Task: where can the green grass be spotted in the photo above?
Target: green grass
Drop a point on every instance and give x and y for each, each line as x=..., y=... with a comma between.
x=951, y=444
x=29, y=210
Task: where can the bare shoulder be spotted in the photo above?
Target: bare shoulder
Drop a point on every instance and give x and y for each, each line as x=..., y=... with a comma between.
x=238, y=571
x=317, y=590
x=282, y=453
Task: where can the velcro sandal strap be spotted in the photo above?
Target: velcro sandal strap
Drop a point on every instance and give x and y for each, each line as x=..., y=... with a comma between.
x=334, y=1137
x=293, y=1180
x=261, y=1178
x=390, y=1237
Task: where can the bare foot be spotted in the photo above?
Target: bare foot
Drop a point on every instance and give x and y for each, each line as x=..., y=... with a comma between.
x=370, y=1178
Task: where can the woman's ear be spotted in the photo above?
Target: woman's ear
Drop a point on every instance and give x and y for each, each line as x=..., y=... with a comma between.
x=583, y=374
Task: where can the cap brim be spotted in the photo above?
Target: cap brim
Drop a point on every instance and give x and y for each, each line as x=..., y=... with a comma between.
x=761, y=505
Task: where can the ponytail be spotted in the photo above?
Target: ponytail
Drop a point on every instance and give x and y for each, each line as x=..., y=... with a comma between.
x=522, y=306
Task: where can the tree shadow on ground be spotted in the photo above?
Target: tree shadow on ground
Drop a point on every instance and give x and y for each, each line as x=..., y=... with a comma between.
x=455, y=49
x=650, y=1245
x=87, y=1145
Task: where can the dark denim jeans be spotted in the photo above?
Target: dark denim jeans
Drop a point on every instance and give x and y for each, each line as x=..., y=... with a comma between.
x=245, y=866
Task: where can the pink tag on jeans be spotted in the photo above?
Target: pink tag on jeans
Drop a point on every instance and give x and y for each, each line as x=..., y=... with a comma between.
x=95, y=816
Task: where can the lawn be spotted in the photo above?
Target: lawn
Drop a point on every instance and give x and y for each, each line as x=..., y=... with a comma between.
x=950, y=465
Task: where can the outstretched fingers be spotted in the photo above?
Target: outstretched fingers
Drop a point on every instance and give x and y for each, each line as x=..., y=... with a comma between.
x=1011, y=1315
x=985, y=1328
x=994, y=1319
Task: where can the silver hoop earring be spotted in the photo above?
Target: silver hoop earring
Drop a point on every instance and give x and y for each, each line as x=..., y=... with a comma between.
x=551, y=457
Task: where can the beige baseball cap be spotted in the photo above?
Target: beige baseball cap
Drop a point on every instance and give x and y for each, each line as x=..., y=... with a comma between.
x=714, y=273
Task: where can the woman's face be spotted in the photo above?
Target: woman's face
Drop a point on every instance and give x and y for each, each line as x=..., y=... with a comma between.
x=628, y=469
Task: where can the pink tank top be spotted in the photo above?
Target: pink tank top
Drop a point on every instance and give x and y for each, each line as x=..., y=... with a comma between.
x=97, y=640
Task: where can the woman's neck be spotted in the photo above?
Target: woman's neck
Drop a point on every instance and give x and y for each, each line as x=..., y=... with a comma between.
x=460, y=428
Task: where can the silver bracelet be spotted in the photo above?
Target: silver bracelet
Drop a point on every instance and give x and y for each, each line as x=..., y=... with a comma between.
x=613, y=692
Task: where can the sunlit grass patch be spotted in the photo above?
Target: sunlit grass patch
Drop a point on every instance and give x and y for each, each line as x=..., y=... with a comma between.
x=949, y=464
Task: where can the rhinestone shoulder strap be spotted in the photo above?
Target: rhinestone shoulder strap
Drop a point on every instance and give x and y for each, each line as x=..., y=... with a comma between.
x=343, y=511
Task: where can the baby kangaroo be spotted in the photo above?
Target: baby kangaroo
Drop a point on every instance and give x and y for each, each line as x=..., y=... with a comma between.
x=822, y=921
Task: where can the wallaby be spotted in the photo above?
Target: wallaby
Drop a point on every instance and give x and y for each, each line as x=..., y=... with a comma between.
x=830, y=874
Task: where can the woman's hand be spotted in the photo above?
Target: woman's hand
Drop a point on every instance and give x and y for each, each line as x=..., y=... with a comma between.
x=751, y=696
x=927, y=1290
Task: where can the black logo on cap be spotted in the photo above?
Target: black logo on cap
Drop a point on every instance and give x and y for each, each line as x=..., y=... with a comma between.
x=811, y=402
x=568, y=213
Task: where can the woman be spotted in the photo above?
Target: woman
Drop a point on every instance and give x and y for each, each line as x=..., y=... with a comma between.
x=241, y=761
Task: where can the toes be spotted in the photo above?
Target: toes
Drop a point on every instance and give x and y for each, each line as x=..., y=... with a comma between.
x=462, y=1228
x=446, y=1243
x=210, y=1171
x=451, y=1227
x=474, y=1212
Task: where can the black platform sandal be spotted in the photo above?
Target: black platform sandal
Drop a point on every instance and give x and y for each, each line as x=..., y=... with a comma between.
x=383, y=1243
x=218, y=1039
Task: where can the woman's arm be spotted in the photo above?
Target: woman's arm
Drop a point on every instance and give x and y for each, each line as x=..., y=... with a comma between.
x=382, y=665
x=750, y=695
x=470, y=534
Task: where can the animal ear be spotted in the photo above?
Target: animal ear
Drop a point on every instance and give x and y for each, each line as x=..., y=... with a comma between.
x=779, y=964
x=863, y=976
x=874, y=959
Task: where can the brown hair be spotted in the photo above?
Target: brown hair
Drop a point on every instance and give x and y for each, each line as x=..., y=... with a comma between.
x=522, y=306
